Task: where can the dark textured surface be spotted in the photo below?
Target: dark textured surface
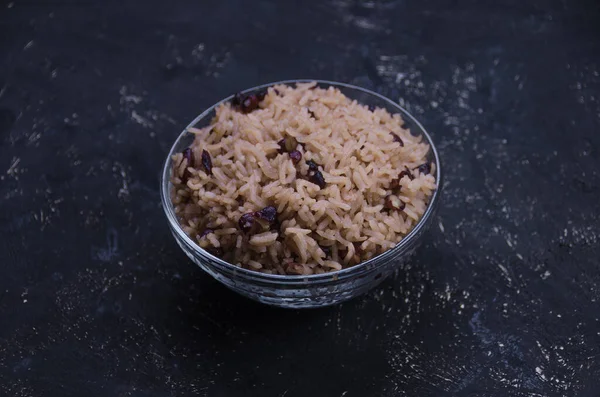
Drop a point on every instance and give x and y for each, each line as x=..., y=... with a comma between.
x=96, y=299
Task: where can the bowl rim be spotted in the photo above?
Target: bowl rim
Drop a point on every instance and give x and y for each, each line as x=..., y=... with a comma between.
x=362, y=267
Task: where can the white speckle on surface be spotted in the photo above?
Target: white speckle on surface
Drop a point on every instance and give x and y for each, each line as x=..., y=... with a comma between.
x=12, y=170
x=505, y=271
x=140, y=119
x=119, y=171
x=198, y=50
x=364, y=23
x=538, y=370
x=125, y=98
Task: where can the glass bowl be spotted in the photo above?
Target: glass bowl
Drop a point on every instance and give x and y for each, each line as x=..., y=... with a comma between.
x=304, y=291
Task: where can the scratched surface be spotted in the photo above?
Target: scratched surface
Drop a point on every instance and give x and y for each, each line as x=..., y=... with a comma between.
x=96, y=299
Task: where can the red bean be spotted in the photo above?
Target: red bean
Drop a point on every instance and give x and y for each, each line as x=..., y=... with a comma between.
x=287, y=144
x=247, y=103
x=407, y=173
x=318, y=179
x=206, y=232
x=397, y=139
x=237, y=99
x=247, y=222
x=188, y=154
x=259, y=221
x=281, y=144
x=424, y=169
x=250, y=103
x=393, y=202
x=295, y=156
x=207, y=162
x=314, y=175
x=268, y=214
x=312, y=165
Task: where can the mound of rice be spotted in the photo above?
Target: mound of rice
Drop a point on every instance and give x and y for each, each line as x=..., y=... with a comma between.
x=301, y=180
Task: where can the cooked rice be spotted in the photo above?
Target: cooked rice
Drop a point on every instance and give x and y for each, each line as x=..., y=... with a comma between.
x=320, y=229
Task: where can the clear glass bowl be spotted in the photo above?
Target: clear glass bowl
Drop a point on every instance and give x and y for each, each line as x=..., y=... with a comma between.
x=314, y=290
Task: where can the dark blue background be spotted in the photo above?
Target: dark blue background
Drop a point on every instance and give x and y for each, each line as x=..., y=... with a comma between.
x=96, y=299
